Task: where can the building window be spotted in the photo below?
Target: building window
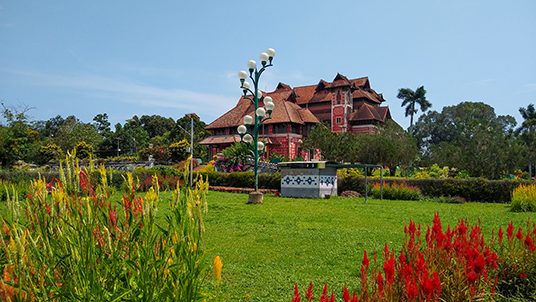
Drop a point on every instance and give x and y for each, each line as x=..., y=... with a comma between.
x=338, y=97
x=339, y=120
x=280, y=128
x=219, y=132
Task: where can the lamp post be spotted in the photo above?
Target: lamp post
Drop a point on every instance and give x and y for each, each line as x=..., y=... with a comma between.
x=249, y=130
x=191, y=148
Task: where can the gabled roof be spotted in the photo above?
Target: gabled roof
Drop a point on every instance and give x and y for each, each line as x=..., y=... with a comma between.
x=340, y=81
x=285, y=111
x=288, y=100
x=367, y=112
x=232, y=117
x=360, y=93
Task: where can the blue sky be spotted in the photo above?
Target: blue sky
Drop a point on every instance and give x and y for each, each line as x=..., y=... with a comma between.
x=175, y=57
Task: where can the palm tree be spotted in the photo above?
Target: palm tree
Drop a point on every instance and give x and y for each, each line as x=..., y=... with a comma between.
x=411, y=97
x=527, y=130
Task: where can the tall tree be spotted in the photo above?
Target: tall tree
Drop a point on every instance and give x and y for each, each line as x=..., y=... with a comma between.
x=411, y=99
x=471, y=137
x=102, y=124
x=527, y=131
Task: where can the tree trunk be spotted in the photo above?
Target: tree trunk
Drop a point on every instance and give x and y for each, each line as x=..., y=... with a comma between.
x=412, y=112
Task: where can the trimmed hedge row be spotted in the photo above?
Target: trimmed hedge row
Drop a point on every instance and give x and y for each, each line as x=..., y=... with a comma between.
x=481, y=190
x=478, y=189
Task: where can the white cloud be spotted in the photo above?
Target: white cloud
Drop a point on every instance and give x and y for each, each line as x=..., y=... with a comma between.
x=130, y=92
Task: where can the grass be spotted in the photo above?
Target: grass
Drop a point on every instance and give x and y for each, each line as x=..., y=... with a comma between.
x=267, y=248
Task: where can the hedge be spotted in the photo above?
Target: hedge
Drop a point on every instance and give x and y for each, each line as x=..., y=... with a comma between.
x=477, y=189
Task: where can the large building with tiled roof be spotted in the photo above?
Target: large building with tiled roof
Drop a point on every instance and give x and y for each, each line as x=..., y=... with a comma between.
x=343, y=104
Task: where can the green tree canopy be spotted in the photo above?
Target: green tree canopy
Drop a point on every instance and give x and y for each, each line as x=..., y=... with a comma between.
x=469, y=136
x=411, y=99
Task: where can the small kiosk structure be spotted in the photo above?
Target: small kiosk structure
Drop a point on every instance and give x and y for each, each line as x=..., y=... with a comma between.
x=318, y=179
x=309, y=179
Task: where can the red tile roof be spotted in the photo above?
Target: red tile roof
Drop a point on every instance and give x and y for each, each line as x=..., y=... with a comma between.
x=220, y=139
x=288, y=100
x=284, y=111
x=367, y=112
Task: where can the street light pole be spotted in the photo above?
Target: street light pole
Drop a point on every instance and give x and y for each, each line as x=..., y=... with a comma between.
x=191, y=133
x=191, y=149
x=261, y=113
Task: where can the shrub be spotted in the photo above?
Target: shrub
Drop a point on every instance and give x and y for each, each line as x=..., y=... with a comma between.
x=524, y=198
x=446, y=265
x=49, y=152
x=397, y=191
x=83, y=150
x=243, y=179
x=475, y=189
x=82, y=247
x=179, y=150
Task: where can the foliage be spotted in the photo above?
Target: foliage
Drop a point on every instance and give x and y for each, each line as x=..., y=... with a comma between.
x=453, y=265
x=411, y=99
x=474, y=189
x=517, y=270
x=158, y=153
x=391, y=146
x=50, y=152
x=524, y=198
x=470, y=136
x=235, y=158
x=291, y=240
x=73, y=131
x=83, y=150
x=527, y=132
x=179, y=150
x=18, y=141
x=433, y=172
x=243, y=179
x=350, y=172
x=86, y=247
x=178, y=133
x=397, y=191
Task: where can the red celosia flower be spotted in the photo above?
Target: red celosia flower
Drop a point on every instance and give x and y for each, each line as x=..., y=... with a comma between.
x=389, y=270
x=411, y=290
x=379, y=282
x=296, y=297
x=529, y=243
x=332, y=299
x=472, y=276
x=510, y=231
x=365, y=261
x=479, y=264
x=437, y=284
x=501, y=234
x=427, y=286
x=345, y=294
x=519, y=234
x=113, y=217
x=309, y=295
x=324, y=296
x=523, y=275
x=354, y=298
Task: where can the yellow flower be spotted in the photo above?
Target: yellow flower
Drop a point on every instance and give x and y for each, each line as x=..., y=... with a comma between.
x=217, y=268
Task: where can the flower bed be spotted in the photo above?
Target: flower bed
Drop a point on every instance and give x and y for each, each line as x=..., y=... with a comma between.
x=453, y=265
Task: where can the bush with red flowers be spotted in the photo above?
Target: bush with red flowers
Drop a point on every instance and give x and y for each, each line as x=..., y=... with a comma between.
x=447, y=265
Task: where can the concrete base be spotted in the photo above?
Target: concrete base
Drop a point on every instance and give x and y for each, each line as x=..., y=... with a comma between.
x=255, y=197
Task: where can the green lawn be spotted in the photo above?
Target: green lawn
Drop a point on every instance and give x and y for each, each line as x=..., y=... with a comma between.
x=267, y=248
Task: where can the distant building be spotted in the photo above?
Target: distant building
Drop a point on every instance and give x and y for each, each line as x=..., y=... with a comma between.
x=343, y=104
